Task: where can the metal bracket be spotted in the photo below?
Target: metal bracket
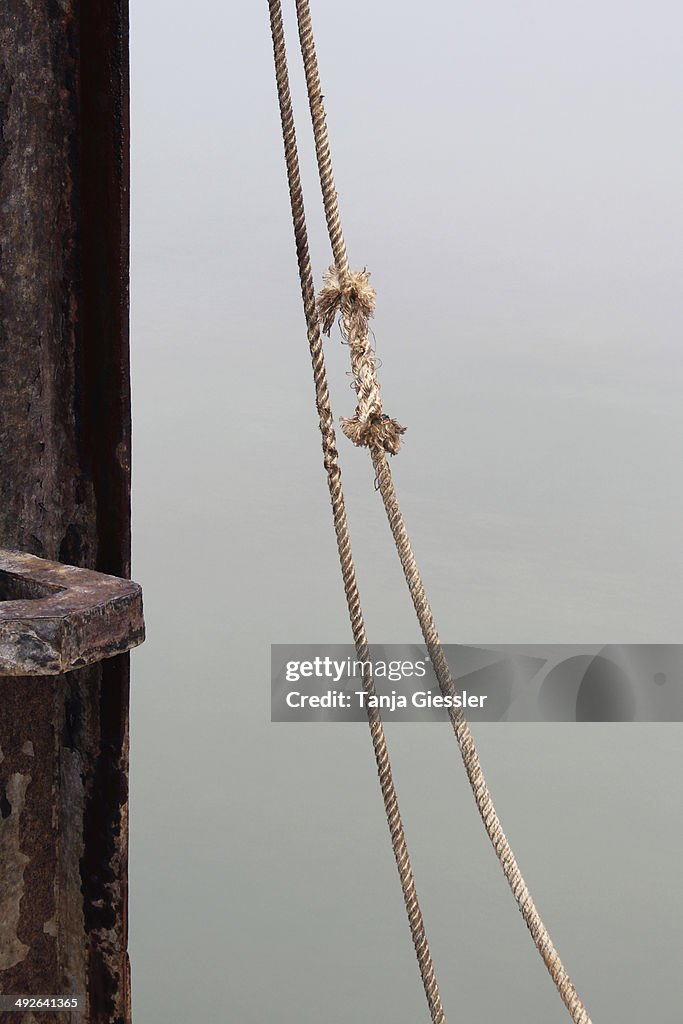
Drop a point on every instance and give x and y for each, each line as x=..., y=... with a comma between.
x=55, y=618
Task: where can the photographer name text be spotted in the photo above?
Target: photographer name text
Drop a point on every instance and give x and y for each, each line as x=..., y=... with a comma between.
x=385, y=702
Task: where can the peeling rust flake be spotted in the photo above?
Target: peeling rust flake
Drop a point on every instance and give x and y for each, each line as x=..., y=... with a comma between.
x=13, y=862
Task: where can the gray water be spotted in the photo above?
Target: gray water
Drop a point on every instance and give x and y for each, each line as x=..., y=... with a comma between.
x=511, y=176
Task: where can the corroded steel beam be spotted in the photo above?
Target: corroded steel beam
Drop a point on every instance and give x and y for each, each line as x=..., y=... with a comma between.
x=65, y=491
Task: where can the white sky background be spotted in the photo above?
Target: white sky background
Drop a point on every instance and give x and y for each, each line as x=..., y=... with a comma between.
x=511, y=175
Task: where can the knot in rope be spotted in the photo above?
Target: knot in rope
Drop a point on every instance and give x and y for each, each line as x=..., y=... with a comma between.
x=352, y=296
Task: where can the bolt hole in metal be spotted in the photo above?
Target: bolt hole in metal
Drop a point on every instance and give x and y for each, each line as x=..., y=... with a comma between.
x=16, y=588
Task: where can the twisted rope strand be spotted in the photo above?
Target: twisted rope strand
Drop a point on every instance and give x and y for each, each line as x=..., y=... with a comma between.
x=330, y=460
x=468, y=750
x=354, y=311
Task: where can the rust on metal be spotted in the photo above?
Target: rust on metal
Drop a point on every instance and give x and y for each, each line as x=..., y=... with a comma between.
x=65, y=493
x=55, y=618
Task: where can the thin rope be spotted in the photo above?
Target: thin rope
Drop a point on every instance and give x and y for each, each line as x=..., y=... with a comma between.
x=348, y=293
x=330, y=460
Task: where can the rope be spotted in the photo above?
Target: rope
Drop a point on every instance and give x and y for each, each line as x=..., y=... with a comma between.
x=330, y=460
x=354, y=297
x=351, y=297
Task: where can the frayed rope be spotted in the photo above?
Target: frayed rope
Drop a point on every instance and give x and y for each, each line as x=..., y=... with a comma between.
x=353, y=297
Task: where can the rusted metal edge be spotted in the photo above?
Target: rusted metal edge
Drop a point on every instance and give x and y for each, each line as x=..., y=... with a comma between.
x=55, y=618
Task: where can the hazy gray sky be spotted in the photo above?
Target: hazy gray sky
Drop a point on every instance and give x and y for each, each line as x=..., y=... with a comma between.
x=511, y=175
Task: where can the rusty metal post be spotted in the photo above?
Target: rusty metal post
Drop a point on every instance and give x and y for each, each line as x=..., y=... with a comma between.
x=65, y=492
